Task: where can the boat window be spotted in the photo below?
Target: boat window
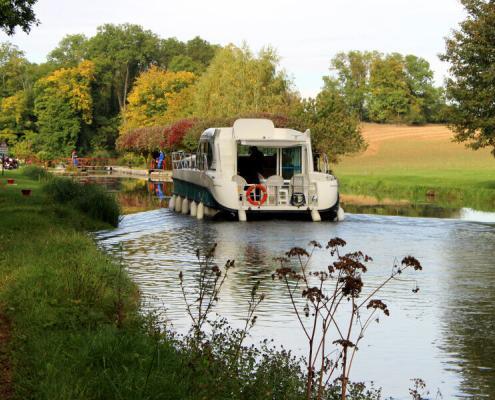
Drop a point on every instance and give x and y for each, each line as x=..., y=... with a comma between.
x=256, y=162
x=320, y=162
x=209, y=155
x=291, y=161
x=204, y=156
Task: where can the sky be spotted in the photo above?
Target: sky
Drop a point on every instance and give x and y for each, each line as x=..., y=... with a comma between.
x=306, y=33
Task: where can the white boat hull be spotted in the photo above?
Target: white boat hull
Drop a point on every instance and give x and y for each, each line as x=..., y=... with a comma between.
x=223, y=195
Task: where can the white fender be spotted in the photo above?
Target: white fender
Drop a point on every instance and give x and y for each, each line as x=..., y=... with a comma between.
x=315, y=215
x=340, y=214
x=178, y=204
x=242, y=215
x=171, y=203
x=185, y=206
x=194, y=208
x=201, y=211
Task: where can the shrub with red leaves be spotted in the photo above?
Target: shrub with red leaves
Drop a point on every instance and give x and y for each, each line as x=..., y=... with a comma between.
x=171, y=137
x=176, y=132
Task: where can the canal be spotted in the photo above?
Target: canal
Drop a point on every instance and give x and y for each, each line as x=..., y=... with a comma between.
x=443, y=334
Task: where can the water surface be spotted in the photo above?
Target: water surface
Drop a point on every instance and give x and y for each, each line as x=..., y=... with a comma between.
x=443, y=333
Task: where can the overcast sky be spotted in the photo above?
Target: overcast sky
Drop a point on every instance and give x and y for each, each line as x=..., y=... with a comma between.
x=306, y=34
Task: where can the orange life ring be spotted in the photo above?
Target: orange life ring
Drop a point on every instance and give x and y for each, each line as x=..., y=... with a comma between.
x=253, y=201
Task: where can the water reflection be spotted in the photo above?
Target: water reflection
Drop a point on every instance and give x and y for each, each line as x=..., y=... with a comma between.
x=469, y=307
x=134, y=194
x=137, y=194
x=442, y=334
x=406, y=210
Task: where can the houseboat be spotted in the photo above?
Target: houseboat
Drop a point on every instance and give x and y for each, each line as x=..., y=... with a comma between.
x=254, y=170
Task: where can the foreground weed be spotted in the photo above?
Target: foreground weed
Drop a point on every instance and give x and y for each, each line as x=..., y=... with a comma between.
x=333, y=342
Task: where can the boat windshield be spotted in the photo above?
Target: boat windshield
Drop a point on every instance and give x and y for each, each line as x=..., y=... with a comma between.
x=256, y=163
x=291, y=162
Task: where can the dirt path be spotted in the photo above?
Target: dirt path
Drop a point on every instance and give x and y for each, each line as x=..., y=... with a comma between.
x=6, y=390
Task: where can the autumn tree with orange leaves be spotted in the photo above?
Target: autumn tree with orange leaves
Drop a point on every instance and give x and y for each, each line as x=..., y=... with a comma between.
x=158, y=98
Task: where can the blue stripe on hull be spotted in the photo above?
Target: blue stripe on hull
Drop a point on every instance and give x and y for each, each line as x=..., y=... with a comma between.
x=194, y=192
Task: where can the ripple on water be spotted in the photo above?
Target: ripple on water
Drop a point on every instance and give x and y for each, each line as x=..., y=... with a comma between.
x=443, y=334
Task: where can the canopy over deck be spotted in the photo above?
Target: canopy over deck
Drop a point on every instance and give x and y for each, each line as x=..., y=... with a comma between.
x=262, y=132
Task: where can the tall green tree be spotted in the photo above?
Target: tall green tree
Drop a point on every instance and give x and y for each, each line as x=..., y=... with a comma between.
x=120, y=53
x=185, y=63
x=353, y=73
x=170, y=48
x=471, y=88
x=17, y=13
x=64, y=108
x=71, y=50
x=15, y=70
x=425, y=100
x=389, y=90
x=238, y=82
x=201, y=51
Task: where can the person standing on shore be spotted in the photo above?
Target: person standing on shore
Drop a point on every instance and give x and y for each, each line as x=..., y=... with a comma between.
x=161, y=157
x=74, y=158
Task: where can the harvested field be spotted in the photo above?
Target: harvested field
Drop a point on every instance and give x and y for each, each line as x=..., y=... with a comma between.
x=407, y=162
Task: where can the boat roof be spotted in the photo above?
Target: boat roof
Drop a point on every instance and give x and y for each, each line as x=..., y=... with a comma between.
x=258, y=132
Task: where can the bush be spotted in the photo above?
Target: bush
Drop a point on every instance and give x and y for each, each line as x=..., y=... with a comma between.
x=101, y=153
x=35, y=172
x=91, y=199
x=44, y=155
x=23, y=150
x=134, y=160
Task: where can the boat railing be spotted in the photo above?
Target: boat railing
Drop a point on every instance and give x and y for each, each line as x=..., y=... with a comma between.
x=183, y=160
x=267, y=195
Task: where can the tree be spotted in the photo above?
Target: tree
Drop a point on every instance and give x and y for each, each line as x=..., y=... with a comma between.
x=157, y=97
x=185, y=63
x=170, y=48
x=201, y=51
x=71, y=50
x=334, y=127
x=120, y=53
x=64, y=108
x=15, y=117
x=17, y=13
x=389, y=90
x=14, y=70
x=425, y=99
x=471, y=88
x=353, y=72
x=237, y=82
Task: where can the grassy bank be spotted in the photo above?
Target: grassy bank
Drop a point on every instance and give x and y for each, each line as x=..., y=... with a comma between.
x=420, y=164
x=70, y=326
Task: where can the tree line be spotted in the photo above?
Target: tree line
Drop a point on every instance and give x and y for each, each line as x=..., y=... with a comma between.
x=93, y=90
x=126, y=79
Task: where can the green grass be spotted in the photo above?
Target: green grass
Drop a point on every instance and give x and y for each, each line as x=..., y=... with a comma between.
x=414, y=161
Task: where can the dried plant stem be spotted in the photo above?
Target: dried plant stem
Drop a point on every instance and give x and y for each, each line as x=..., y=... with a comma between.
x=322, y=304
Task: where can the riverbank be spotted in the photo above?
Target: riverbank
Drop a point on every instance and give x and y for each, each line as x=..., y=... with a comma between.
x=70, y=326
x=59, y=295
x=420, y=165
